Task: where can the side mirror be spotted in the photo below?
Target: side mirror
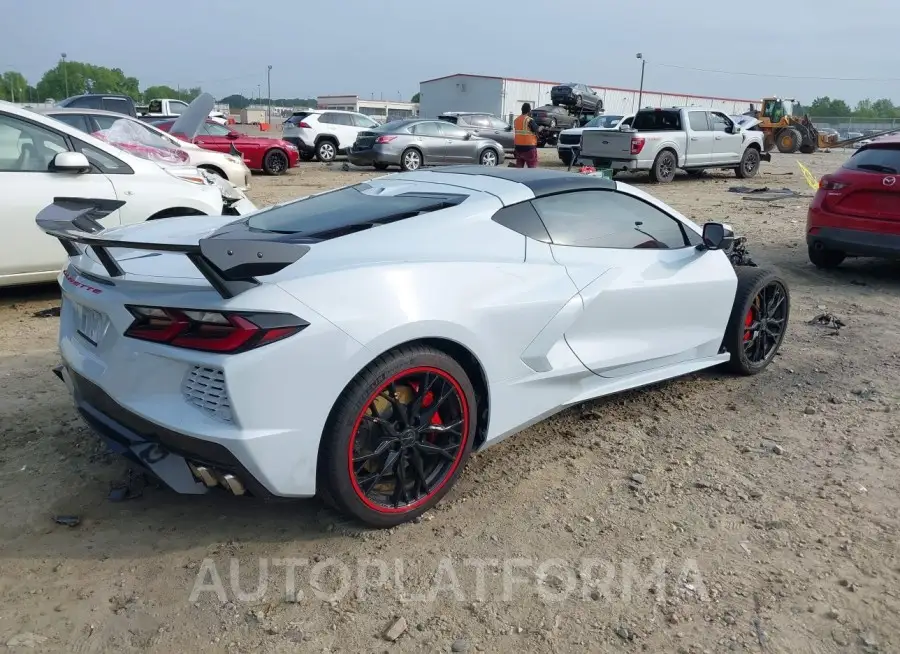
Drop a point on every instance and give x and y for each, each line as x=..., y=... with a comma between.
x=70, y=162
x=468, y=136
x=233, y=136
x=509, y=128
x=717, y=236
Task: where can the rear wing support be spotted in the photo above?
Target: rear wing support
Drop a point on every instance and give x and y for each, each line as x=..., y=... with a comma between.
x=230, y=259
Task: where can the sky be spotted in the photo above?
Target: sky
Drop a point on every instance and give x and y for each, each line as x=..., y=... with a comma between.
x=384, y=48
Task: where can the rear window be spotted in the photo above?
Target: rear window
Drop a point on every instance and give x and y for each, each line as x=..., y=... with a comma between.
x=347, y=210
x=604, y=121
x=449, y=119
x=297, y=117
x=657, y=121
x=87, y=102
x=876, y=160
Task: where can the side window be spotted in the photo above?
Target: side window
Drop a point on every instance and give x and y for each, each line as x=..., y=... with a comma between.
x=608, y=219
x=105, y=122
x=177, y=107
x=719, y=123
x=214, y=129
x=73, y=120
x=119, y=105
x=363, y=121
x=480, y=122
x=699, y=121
x=496, y=123
x=26, y=147
x=341, y=119
x=327, y=118
x=105, y=163
x=628, y=121
x=90, y=102
x=426, y=129
x=451, y=131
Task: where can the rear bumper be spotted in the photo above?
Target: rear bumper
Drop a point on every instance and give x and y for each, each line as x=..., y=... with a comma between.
x=373, y=156
x=301, y=145
x=856, y=242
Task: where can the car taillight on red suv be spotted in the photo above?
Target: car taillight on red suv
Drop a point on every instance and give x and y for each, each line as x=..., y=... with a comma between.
x=225, y=332
x=828, y=184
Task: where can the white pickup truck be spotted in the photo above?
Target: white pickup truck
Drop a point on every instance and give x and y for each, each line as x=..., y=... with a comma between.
x=663, y=140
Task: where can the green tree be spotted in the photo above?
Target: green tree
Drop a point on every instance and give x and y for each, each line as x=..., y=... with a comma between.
x=79, y=77
x=167, y=92
x=13, y=87
x=884, y=108
x=825, y=106
x=415, y=98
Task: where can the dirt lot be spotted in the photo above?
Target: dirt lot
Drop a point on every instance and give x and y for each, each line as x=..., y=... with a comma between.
x=709, y=514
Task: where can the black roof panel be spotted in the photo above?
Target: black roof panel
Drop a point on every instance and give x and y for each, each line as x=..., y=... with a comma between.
x=540, y=181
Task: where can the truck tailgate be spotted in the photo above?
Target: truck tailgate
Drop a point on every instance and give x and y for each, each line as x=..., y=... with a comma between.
x=607, y=144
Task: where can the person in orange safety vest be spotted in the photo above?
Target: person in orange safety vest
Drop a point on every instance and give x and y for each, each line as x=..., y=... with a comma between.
x=526, y=131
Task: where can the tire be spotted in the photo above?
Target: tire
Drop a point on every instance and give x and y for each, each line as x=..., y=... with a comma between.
x=826, y=259
x=276, y=162
x=807, y=149
x=749, y=165
x=565, y=157
x=380, y=166
x=788, y=140
x=326, y=150
x=307, y=156
x=663, y=170
x=411, y=159
x=739, y=337
x=350, y=434
x=489, y=158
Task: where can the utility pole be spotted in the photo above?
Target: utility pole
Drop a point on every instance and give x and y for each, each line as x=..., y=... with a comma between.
x=269, y=81
x=65, y=73
x=641, y=90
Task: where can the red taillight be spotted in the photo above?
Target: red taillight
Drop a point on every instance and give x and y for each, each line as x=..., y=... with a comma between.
x=828, y=184
x=303, y=125
x=637, y=144
x=211, y=331
x=385, y=139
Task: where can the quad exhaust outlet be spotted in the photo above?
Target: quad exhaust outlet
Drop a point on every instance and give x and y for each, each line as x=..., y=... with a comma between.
x=212, y=478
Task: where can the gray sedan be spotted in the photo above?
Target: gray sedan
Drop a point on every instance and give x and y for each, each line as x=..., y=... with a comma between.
x=413, y=143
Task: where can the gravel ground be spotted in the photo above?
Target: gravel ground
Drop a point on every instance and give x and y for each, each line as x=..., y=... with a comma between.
x=707, y=514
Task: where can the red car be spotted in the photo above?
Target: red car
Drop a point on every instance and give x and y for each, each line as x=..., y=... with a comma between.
x=856, y=211
x=272, y=156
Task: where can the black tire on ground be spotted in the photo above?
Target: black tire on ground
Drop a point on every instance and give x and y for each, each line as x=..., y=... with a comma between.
x=380, y=166
x=664, y=166
x=788, y=140
x=411, y=159
x=762, y=300
x=307, y=156
x=345, y=444
x=807, y=149
x=749, y=165
x=489, y=158
x=326, y=150
x=275, y=162
x=565, y=157
x=825, y=258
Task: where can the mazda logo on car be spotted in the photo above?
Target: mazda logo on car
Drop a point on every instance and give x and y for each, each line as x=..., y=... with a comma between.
x=889, y=181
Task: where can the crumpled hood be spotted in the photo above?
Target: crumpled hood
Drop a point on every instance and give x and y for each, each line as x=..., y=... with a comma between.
x=745, y=122
x=194, y=116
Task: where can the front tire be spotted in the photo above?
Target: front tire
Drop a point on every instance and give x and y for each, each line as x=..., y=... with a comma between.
x=664, y=166
x=758, y=320
x=749, y=165
x=489, y=158
x=398, y=437
x=275, y=162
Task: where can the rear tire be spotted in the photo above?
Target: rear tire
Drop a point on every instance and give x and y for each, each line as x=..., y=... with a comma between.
x=489, y=158
x=326, y=150
x=360, y=456
x=826, y=259
x=758, y=321
x=663, y=170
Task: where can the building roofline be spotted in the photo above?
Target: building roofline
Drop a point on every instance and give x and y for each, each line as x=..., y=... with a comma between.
x=339, y=95
x=599, y=86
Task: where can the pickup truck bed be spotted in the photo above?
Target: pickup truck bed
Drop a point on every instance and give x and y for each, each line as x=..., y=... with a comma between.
x=663, y=140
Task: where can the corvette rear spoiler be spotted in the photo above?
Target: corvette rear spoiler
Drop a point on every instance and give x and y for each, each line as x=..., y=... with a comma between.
x=230, y=259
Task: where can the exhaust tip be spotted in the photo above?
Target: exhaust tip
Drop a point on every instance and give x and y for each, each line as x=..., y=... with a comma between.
x=234, y=484
x=205, y=475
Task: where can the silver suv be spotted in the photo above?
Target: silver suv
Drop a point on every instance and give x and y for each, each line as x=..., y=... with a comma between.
x=325, y=133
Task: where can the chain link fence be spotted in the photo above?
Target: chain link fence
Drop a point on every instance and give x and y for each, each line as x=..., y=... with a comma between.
x=845, y=125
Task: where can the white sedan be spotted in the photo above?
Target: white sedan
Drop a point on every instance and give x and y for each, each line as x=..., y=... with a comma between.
x=124, y=131
x=361, y=343
x=42, y=159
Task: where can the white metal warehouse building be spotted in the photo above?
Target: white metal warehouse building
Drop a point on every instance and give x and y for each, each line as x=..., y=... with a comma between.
x=503, y=96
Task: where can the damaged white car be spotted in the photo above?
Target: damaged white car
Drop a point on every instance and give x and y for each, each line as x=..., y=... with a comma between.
x=43, y=160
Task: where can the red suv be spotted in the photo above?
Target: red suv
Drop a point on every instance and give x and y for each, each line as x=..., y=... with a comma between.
x=856, y=211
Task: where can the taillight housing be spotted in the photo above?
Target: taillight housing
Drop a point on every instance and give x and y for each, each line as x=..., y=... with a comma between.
x=303, y=125
x=385, y=139
x=637, y=144
x=224, y=332
x=828, y=184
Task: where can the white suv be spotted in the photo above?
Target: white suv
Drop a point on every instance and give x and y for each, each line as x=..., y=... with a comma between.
x=324, y=133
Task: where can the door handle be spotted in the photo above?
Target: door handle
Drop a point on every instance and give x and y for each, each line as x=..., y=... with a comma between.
x=718, y=138
x=695, y=138
x=199, y=142
x=449, y=140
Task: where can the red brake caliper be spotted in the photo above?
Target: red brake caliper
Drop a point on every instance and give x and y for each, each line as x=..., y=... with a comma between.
x=748, y=321
x=426, y=402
